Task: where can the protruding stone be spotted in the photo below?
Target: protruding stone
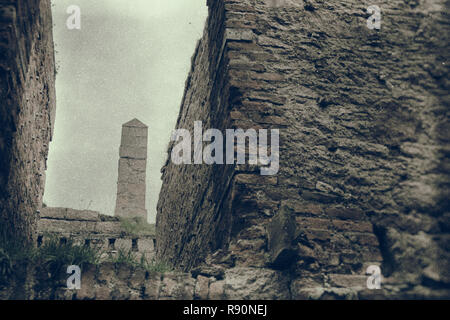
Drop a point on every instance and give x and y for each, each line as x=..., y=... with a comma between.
x=281, y=235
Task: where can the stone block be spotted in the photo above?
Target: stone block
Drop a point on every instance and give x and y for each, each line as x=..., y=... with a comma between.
x=239, y=34
x=217, y=290
x=255, y=284
x=281, y=234
x=108, y=228
x=152, y=287
x=82, y=215
x=201, y=288
x=348, y=280
x=360, y=226
x=345, y=213
x=133, y=152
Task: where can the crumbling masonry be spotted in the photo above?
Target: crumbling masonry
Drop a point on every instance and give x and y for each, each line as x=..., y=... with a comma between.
x=91, y=229
x=364, y=175
x=105, y=233
x=364, y=172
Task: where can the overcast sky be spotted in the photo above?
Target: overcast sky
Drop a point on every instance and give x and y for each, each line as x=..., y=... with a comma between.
x=129, y=60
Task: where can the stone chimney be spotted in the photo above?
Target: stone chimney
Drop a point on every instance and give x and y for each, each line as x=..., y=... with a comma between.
x=132, y=171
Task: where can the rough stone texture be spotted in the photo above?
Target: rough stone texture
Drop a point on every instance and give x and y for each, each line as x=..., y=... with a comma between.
x=111, y=281
x=90, y=228
x=363, y=117
x=132, y=171
x=281, y=236
x=192, y=196
x=27, y=111
x=254, y=283
x=364, y=160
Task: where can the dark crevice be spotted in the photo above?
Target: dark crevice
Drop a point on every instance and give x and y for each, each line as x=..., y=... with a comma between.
x=388, y=264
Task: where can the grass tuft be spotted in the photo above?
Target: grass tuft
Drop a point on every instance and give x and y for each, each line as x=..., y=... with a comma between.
x=129, y=258
x=137, y=226
x=55, y=255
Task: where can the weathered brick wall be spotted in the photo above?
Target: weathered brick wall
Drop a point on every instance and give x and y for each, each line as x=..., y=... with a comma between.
x=363, y=118
x=27, y=111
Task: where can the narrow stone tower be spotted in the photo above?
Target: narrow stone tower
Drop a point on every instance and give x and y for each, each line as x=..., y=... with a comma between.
x=132, y=171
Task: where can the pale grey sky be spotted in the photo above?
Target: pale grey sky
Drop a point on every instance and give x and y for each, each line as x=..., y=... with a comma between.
x=129, y=60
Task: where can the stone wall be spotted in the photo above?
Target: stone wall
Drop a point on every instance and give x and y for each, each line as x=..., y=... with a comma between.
x=106, y=234
x=111, y=281
x=364, y=172
x=192, y=197
x=27, y=111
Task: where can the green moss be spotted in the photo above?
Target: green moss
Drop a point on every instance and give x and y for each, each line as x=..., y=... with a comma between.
x=129, y=258
x=137, y=227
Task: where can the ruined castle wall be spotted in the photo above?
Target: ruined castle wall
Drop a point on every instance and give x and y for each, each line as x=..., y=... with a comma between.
x=363, y=119
x=192, y=196
x=106, y=234
x=27, y=111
